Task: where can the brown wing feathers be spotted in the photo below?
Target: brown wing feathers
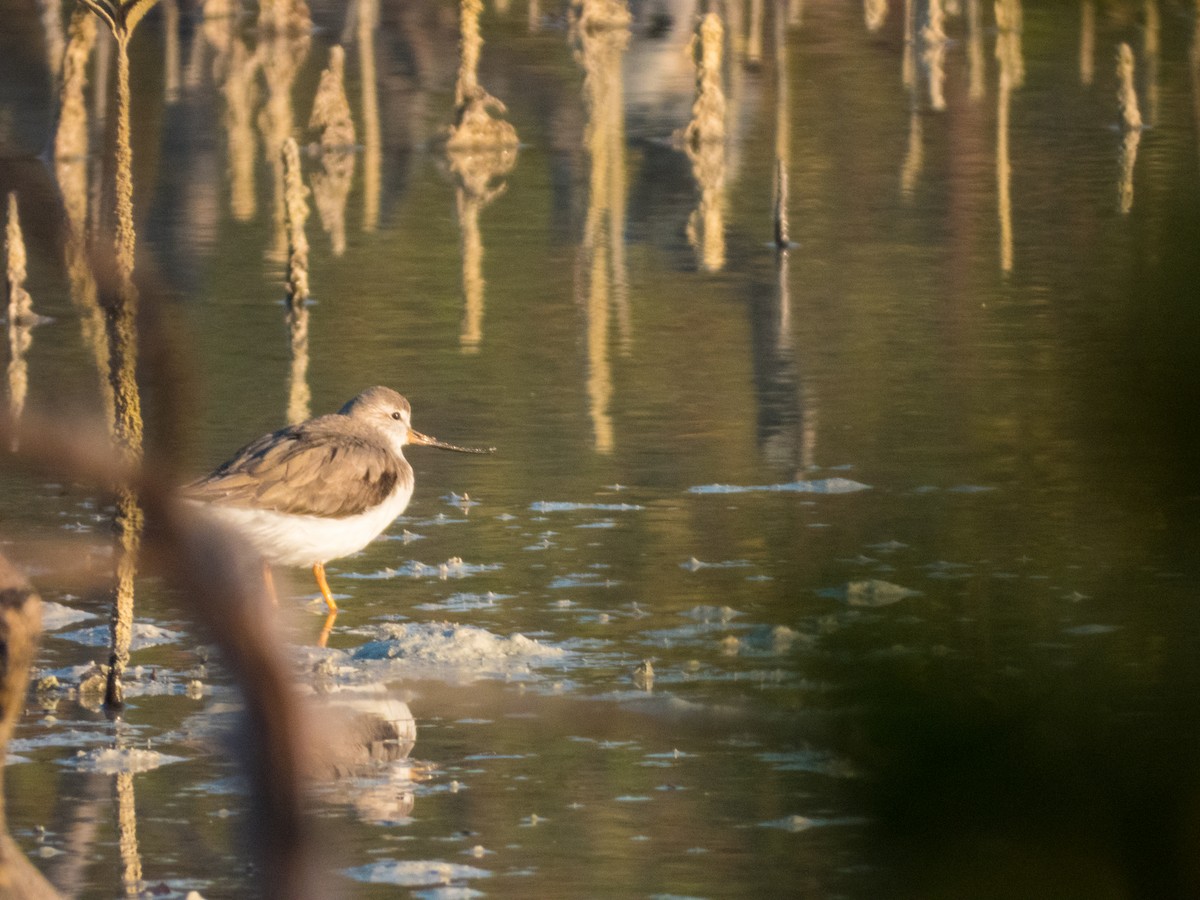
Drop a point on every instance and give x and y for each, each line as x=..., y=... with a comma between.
x=305, y=470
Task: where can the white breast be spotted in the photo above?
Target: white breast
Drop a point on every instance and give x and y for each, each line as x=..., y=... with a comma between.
x=296, y=540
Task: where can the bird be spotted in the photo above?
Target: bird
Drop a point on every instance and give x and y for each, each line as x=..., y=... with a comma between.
x=321, y=489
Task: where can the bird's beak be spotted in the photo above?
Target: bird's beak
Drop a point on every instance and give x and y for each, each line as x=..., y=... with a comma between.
x=415, y=437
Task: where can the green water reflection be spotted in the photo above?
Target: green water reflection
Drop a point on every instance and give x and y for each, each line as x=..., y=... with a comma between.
x=967, y=323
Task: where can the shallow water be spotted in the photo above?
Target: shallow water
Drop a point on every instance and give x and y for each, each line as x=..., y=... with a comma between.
x=903, y=523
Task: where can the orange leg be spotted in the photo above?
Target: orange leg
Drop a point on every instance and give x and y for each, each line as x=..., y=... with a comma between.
x=269, y=583
x=319, y=574
x=318, y=570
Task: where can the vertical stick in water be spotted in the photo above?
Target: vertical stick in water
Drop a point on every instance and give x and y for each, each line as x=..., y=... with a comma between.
x=20, y=313
x=296, y=213
x=1131, y=116
x=120, y=308
x=1131, y=119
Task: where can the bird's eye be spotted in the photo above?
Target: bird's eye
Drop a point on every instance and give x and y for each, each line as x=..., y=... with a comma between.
x=397, y=416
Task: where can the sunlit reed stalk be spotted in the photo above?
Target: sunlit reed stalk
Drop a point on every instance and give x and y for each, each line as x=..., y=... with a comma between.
x=704, y=143
x=122, y=19
x=20, y=311
x=1151, y=35
x=975, y=61
x=296, y=209
x=368, y=22
x=1131, y=117
x=754, y=34
x=20, y=625
x=795, y=13
x=783, y=127
x=933, y=40
x=1087, y=42
x=875, y=14
x=534, y=16
x=127, y=842
x=332, y=119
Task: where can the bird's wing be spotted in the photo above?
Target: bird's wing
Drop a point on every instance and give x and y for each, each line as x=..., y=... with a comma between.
x=305, y=470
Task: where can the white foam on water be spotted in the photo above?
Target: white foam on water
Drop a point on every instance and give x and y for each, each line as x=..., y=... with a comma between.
x=56, y=615
x=818, y=486
x=448, y=649
x=119, y=760
x=415, y=873
x=144, y=635
x=566, y=506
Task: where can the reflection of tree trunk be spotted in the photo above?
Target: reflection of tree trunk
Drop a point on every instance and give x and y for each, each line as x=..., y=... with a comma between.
x=51, y=11
x=1150, y=55
x=77, y=818
x=331, y=117
x=1009, y=19
x=783, y=137
x=975, y=62
x=284, y=38
x=1194, y=65
x=1087, y=42
x=368, y=21
x=704, y=142
x=131, y=860
x=602, y=33
x=171, y=59
x=468, y=208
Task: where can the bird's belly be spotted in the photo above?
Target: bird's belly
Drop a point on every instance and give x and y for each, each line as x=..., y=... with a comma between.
x=284, y=539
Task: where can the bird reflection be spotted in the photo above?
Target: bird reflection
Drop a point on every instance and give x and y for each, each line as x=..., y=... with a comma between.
x=601, y=36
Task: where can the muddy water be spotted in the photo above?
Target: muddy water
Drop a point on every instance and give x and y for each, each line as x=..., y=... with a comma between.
x=866, y=567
